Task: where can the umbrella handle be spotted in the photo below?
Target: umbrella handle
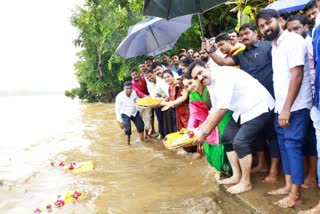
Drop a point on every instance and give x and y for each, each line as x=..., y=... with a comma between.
x=199, y=11
x=200, y=25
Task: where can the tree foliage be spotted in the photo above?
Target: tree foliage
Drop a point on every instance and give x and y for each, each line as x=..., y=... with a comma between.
x=102, y=24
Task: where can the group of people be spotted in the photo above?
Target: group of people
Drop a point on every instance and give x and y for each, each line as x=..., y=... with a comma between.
x=245, y=91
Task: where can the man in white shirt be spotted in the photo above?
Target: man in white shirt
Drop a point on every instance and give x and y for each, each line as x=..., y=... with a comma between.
x=155, y=91
x=126, y=111
x=158, y=69
x=156, y=85
x=233, y=89
x=293, y=100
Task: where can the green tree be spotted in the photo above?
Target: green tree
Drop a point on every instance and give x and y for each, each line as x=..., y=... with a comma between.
x=103, y=24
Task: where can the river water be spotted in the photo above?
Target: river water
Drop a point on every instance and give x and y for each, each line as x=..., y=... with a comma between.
x=140, y=178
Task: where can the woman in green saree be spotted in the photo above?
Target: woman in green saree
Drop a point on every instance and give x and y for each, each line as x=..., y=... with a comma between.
x=221, y=137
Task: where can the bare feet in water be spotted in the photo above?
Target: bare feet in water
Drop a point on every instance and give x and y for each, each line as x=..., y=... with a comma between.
x=314, y=210
x=239, y=188
x=151, y=132
x=271, y=178
x=161, y=137
x=181, y=151
x=196, y=156
x=309, y=183
x=281, y=191
x=231, y=180
x=147, y=136
x=259, y=168
x=289, y=201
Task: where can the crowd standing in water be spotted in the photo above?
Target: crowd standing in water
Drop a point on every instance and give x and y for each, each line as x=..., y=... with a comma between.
x=244, y=93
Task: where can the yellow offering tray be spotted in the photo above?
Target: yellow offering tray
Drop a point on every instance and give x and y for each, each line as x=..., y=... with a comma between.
x=148, y=102
x=182, y=138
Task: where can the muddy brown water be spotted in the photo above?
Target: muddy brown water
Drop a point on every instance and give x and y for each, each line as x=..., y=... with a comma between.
x=140, y=178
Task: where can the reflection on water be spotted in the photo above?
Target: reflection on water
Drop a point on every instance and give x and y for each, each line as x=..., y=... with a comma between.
x=143, y=178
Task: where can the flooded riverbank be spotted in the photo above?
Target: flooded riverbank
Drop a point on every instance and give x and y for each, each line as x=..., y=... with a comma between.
x=141, y=178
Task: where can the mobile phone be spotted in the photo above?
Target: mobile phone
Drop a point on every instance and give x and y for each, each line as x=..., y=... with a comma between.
x=212, y=40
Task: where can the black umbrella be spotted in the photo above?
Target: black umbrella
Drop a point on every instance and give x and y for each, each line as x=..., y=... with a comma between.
x=169, y=9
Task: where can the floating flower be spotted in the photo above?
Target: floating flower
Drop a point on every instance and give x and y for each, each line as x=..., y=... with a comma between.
x=49, y=208
x=76, y=194
x=37, y=211
x=59, y=203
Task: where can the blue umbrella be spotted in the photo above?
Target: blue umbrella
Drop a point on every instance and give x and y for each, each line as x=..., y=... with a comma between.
x=153, y=36
x=288, y=5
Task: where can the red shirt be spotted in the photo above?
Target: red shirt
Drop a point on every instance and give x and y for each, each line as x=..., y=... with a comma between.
x=140, y=87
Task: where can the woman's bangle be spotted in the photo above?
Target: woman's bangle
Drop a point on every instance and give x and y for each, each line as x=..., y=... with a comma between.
x=204, y=133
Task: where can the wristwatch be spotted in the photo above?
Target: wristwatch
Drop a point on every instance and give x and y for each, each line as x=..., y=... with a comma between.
x=212, y=51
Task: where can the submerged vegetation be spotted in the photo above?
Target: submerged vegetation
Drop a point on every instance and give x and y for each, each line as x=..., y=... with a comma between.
x=103, y=24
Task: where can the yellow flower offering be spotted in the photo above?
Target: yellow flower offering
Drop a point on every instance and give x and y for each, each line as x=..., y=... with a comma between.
x=179, y=139
x=148, y=102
